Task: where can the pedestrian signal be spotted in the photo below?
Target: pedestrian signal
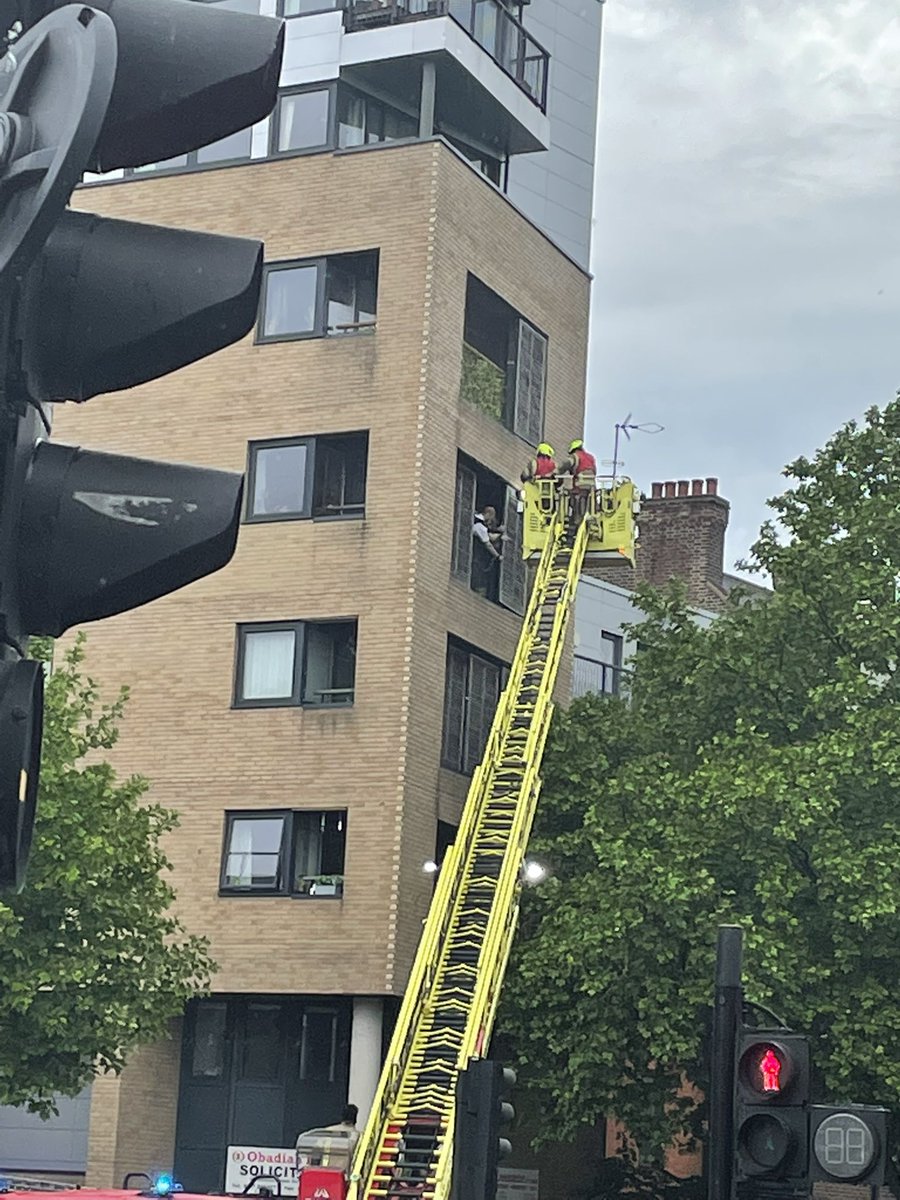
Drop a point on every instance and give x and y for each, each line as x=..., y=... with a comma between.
x=772, y=1096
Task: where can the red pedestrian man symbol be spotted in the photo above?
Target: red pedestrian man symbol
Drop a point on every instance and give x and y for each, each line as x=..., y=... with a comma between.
x=770, y=1066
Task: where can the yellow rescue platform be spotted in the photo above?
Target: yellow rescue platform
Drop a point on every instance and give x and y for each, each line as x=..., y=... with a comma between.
x=610, y=507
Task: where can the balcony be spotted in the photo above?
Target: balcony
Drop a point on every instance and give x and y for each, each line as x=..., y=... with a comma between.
x=598, y=678
x=482, y=383
x=487, y=22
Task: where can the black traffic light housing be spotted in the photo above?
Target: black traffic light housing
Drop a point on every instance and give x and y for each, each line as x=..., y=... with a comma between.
x=91, y=305
x=772, y=1084
x=483, y=1112
x=848, y=1143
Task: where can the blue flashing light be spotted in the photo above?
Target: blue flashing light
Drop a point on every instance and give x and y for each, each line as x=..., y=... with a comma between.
x=164, y=1185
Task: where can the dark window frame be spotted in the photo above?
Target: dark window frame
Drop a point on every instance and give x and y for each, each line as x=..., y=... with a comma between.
x=279, y=10
x=318, y=330
x=297, y=698
x=275, y=120
x=320, y=325
x=313, y=443
x=520, y=335
x=253, y=447
x=511, y=590
x=610, y=672
x=194, y=164
x=287, y=852
x=462, y=765
x=374, y=105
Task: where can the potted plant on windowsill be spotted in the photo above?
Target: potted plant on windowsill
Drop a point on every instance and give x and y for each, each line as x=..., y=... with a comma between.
x=324, y=885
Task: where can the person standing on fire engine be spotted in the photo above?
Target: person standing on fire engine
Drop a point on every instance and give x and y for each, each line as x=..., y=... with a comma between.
x=542, y=466
x=582, y=466
x=346, y=1127
x=347, y=1124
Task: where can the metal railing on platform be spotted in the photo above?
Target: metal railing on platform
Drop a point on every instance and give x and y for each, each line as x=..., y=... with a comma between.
x=489, y=22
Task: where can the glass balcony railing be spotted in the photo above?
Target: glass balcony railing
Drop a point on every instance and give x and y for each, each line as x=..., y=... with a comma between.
x=488, y=22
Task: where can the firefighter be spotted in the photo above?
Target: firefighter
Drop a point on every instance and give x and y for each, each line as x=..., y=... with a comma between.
x=582, y=466
x=542, y=466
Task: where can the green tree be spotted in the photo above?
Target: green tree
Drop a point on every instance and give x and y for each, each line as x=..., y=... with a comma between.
x=753, y=777
x=94, y=963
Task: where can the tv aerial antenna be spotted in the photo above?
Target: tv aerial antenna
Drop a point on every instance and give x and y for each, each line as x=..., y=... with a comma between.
x=625, y=429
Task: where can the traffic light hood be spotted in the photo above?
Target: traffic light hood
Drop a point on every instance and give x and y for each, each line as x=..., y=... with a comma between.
x=103, y=533
x=179, y=296
x=170, y=94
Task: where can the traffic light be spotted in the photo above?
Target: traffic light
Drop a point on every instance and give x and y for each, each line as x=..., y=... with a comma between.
x=91, y=305
x=482, y=1112
x=847, y=1143
x=771, y=1101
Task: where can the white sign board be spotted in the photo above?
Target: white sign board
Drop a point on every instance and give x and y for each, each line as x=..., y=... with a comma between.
x=515, y=1184
x=244, y=1163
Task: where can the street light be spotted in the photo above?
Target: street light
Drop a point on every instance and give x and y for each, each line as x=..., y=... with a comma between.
x=534, y=872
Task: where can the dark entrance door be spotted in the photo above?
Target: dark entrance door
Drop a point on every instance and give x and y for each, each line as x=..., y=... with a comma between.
x=255, y=1070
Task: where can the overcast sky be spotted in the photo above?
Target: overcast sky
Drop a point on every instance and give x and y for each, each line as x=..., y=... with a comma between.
x=747, y=235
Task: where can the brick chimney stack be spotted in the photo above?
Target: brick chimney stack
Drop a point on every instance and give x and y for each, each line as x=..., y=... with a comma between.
x=682, y=536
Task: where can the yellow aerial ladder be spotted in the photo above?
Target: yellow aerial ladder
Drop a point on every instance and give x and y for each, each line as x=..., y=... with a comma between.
x=451, y=1000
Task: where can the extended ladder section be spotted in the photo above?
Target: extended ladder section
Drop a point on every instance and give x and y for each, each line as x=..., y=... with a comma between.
x=450, y=1004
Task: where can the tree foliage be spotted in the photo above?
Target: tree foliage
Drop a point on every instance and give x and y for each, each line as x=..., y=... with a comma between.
x=94, y=963
x=752, y=777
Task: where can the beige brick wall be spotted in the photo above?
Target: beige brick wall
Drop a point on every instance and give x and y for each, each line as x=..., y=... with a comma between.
x=133, y=1115
x=433, y=219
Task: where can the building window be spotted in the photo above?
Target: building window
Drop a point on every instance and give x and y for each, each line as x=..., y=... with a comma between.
x=362, y=120
x=601, y=675
x=351, y=282
x=479, y=491
x=302, y=121
x=234, y=148
x=445, y=836
x=292, y=852
x=291, y=302
x=301, y=8
x=319, y=297
x=504, y=363
x=208, y=1057
x=291, y=478
x=490, y=165
x=318, y=1045
x=244, y=6
x=472, y=687
x=280, y=664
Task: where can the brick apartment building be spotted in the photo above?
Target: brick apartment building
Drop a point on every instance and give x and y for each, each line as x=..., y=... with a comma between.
x=313, y=711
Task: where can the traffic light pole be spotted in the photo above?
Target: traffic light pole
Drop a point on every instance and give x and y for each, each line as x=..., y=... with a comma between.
x=726, y=1019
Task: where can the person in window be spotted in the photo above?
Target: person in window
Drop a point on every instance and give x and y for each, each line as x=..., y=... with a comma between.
x=485, y=556
x=582, y=466
x=496, y=531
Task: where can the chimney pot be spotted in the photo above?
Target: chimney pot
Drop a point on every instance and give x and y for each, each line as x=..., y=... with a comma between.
x=712, y=487
x=696, y=487
x=682, y=487
x=668, y=488
x=655, y=491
